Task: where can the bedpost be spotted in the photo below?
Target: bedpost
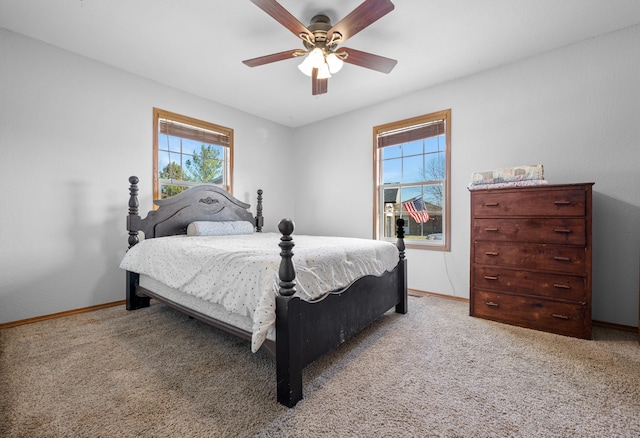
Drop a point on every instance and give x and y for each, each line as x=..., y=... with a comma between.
x=133, y=220
x=133, y=226
x=401, y=307
x=259, y=218
x=133, y=300
x=288, y=336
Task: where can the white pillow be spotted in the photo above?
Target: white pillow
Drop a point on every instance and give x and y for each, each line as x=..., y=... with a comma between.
x=222, y=228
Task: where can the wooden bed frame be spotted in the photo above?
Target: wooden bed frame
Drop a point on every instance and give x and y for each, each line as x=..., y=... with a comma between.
x=304, y=330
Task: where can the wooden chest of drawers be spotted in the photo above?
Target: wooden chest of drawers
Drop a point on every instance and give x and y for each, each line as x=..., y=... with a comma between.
x=531, y=257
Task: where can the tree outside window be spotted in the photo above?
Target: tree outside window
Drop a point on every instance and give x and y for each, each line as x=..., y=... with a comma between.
x=189, y=152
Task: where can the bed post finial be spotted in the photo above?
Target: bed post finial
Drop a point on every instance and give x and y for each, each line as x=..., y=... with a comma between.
x=133, y=220
x=259, y=218
x=287, y=272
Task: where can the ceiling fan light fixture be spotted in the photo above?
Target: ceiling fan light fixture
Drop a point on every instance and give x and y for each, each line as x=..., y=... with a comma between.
x=334, y=63
x=315, y=59
x=323, y=71
x=305, y=66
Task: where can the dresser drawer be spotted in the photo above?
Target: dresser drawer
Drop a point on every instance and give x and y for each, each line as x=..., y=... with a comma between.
x=523, y=202
x=563, y=287
x=569, y=231
x=540, y=314
x=558, y=258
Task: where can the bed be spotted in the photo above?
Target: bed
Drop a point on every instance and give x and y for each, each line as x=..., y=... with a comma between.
x=287, y=312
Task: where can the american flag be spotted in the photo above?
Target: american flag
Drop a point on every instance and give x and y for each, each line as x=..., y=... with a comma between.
x=417, y=210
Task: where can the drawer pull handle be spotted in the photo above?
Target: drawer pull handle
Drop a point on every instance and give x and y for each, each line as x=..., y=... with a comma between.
x=561, y=259
x=562, y=202
x=488, y=277
x=491, y=204
x=492, y=304
x=561, y=286
x=562, y=230
x=491, y=253
x=557, y=315
x=491, y=229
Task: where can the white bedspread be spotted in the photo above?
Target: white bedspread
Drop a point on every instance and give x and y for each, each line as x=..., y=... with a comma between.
x=241, y=272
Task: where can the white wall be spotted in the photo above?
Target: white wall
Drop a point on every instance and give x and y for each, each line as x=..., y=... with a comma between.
x=71, y=133
x=575, y=110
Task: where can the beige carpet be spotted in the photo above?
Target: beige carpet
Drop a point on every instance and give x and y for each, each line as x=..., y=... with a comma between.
x=433, y=372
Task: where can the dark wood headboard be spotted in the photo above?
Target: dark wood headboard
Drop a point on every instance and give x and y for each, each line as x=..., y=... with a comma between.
x=205, y=202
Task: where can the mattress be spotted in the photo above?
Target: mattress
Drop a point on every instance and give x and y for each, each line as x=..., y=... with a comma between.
x=239, y=273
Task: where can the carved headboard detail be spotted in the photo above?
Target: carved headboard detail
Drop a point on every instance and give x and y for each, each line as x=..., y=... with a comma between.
x=204, y=202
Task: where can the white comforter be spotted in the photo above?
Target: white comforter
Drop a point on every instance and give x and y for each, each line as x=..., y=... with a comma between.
x=241, y=272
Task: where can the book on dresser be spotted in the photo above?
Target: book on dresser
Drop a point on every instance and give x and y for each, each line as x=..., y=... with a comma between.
x=531, y=257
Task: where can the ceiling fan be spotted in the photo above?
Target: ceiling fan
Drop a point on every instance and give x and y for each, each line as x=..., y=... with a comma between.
x=321, y=40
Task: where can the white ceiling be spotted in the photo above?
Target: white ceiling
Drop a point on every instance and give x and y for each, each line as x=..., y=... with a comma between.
x=198, y=45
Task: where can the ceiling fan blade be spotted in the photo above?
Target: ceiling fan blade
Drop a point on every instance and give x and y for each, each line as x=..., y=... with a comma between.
x=318, y=86
x=282, y=16
x=361, y=17
x=274, y=57
x=369, y=60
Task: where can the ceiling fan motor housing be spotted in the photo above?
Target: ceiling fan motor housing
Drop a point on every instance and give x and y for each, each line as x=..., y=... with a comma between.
x=320, y=25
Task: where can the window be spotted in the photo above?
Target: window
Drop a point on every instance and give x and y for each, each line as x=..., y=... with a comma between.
x=412, y=180
x=188, y=152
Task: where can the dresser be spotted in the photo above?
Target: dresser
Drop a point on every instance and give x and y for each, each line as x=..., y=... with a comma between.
x=531, y=257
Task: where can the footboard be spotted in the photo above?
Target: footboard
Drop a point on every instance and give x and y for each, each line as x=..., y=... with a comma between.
x=307, y=330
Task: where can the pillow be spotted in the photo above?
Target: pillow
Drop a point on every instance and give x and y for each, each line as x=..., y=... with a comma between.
x=222, y=228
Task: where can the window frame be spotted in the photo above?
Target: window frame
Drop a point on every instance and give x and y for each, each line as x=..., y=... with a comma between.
x=179, y=118
x=379, y=186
